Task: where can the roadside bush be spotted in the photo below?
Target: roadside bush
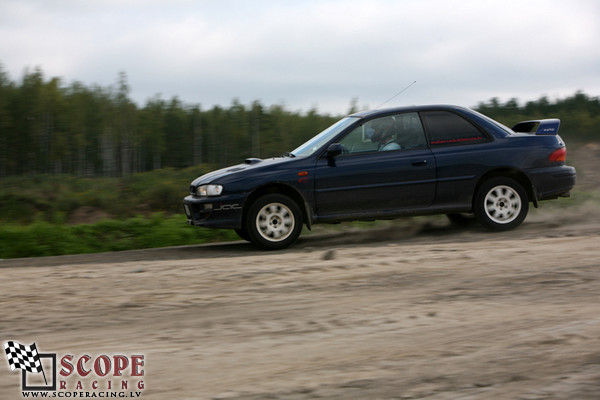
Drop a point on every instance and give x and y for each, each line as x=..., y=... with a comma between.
x=29, y=198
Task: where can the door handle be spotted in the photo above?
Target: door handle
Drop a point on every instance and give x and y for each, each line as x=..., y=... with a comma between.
x=419, y=163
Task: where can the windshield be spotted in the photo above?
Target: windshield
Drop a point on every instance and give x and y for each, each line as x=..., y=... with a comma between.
x=318, y=141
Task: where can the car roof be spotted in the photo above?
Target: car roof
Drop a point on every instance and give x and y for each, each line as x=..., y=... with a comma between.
x=395, y=110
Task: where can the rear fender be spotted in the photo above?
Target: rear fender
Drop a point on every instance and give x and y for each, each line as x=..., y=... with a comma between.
x=519, y=176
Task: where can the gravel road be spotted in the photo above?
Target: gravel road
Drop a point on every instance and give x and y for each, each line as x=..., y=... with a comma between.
x=415, y=309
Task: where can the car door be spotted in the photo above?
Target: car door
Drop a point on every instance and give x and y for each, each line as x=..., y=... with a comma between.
x=462, y=154
x=367, y=179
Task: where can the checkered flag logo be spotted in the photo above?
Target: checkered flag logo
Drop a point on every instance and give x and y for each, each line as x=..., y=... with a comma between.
x=23, y=357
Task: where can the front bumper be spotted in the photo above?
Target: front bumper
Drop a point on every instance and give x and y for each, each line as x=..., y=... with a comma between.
x=553, y=182
x=214, y=212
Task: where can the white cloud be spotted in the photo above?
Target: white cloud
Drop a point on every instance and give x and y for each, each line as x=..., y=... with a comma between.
x=307, y=53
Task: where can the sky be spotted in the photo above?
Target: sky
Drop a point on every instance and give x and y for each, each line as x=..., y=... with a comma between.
x=308, y=54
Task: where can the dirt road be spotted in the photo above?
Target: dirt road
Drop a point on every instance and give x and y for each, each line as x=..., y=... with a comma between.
x=413, y=310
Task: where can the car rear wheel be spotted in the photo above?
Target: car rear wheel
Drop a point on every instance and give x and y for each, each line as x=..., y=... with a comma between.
x=274, y=222
x=501, y=204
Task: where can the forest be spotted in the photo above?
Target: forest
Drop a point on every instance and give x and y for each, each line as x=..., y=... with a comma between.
x=68, y=149
x=49, y=127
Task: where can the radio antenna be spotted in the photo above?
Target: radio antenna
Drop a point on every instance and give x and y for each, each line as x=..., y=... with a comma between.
x=396, y=95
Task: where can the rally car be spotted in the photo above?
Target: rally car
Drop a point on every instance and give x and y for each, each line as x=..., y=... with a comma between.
x=385, y=164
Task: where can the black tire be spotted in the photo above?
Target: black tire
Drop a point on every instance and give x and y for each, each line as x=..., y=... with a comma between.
x=243, y=234
x=501, y=204
x=274, y=222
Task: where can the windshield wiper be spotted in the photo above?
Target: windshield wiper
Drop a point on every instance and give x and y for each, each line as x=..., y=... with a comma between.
x=288, y=154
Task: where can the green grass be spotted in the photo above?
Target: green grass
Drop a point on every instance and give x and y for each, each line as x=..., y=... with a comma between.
x=145, y=212
x=43, y=238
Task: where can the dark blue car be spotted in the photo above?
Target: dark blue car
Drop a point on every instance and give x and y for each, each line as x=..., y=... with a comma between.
x=385, y=164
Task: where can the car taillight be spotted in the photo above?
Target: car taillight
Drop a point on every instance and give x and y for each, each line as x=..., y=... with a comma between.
x=558, y=155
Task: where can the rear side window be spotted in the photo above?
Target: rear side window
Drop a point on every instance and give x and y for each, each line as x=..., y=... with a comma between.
x=446, y=129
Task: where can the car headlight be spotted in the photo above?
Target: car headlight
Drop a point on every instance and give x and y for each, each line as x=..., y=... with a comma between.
x=209, y=190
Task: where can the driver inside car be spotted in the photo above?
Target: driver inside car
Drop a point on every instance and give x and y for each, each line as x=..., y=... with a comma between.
x=382, y=132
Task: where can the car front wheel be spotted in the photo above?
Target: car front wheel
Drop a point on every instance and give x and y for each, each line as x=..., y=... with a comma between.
x=501, y=204
x=274, y=222
x=243, y=234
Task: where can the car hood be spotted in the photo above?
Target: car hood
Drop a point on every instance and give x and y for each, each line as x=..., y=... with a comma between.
x=250, y=165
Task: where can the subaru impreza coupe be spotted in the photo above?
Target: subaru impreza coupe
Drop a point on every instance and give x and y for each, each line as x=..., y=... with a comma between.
x=385, y=164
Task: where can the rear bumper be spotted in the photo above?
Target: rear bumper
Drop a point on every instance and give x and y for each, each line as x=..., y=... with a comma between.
x=218, y=212
x=553, y=182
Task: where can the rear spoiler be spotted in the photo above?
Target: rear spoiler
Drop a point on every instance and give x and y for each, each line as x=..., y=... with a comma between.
x=538, y=126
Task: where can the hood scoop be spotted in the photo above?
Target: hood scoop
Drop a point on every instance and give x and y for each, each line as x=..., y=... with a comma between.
x=252, y=161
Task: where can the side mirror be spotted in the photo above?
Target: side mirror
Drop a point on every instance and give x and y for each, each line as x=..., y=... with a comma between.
x=334, y=149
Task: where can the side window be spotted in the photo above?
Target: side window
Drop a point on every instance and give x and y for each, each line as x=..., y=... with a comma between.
x=358, y=140
x=446, y=128
x=395, y=132
x=410, y=134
